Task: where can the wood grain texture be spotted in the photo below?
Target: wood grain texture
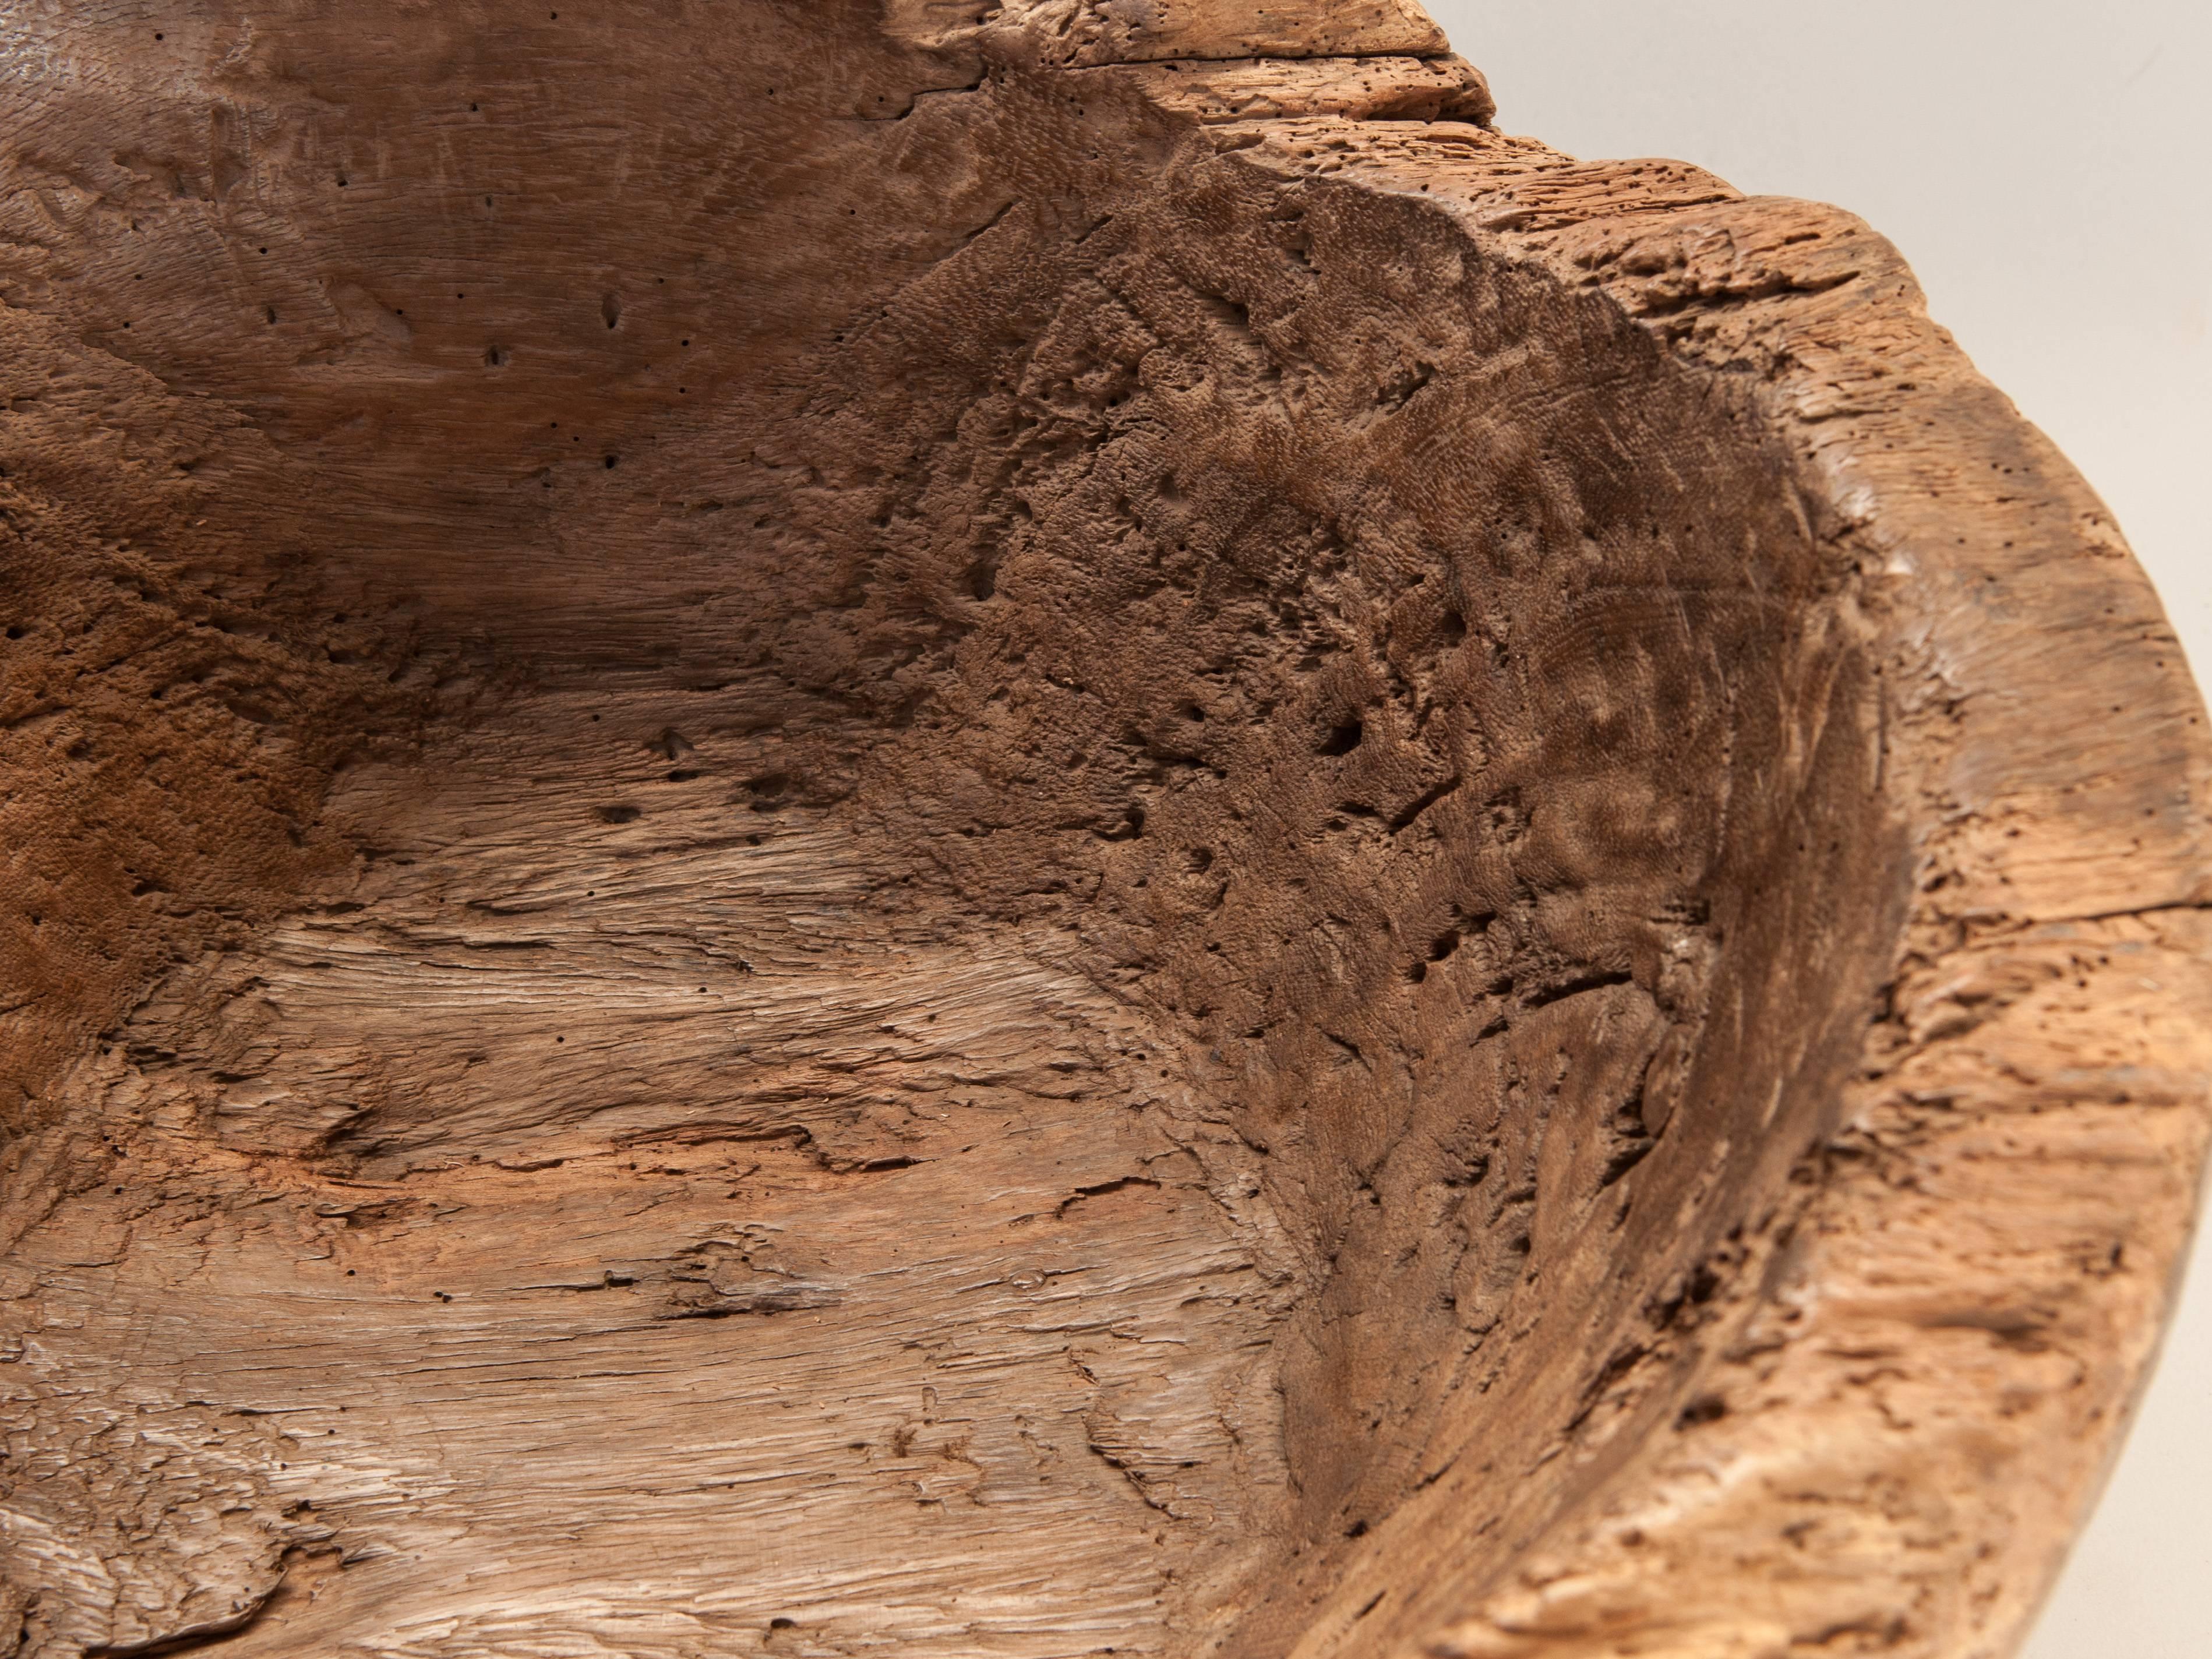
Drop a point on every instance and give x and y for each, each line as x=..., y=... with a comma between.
x=1036, y=831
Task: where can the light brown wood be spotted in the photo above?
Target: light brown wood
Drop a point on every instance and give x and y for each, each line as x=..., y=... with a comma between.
x=1055, y=830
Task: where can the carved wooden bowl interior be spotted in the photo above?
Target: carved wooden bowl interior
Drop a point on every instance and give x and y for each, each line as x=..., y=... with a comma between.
x=939, y=830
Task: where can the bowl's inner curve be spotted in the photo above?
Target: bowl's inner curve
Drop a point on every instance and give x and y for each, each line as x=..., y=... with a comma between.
x=1054, y=889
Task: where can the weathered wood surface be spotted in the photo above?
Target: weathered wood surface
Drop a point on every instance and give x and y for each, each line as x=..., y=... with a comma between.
x=1036, y=831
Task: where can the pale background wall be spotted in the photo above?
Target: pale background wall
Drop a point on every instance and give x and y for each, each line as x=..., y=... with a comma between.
x=2046, y=166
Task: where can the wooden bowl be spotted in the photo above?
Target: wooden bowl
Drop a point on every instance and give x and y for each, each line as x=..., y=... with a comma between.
x=941, y=831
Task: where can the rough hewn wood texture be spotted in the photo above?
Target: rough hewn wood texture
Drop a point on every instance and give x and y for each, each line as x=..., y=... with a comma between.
x=849, y=829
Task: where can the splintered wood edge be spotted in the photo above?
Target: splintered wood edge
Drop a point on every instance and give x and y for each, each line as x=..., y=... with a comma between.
x=1914, y=1416
x=1066, y=34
